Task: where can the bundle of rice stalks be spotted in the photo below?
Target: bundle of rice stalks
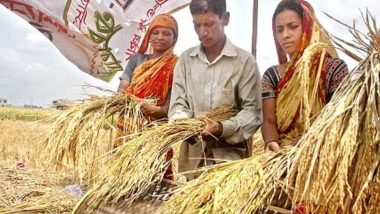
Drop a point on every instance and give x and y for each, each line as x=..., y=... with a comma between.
x=79, y=135
x=363, y=44
x=141, y=161
x=337, y=170
x=225, y=188
x=334, y=169
x=30, y=191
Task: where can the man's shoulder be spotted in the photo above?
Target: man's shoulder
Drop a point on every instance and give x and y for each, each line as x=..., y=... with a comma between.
x=243, y=53
x=189, y=51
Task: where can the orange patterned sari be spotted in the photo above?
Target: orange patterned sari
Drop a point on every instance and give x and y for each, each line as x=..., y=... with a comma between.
x=154, y=77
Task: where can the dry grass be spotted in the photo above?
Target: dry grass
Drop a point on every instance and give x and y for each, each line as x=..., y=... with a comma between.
x=28, y=189
x=31, y=191
x=22, y=141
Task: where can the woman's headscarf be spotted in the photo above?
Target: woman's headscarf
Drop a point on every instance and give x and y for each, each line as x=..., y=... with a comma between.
x=301, y=91
x=161, y=20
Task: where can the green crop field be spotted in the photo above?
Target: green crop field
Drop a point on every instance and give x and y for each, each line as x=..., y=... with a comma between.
x=26, y=114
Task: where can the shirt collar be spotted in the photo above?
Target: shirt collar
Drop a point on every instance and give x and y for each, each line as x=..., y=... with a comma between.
x=229, y=50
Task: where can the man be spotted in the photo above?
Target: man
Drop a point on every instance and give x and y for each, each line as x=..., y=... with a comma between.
x=215, y=73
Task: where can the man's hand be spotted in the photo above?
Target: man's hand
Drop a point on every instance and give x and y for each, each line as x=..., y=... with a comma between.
x=212, y=129
x=149, y=109
x=272, y=146
x=123, y=85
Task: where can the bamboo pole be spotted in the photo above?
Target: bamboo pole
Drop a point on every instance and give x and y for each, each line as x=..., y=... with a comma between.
x=254, y=27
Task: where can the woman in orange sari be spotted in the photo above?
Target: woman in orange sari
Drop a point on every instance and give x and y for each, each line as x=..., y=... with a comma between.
x=295, y=91
x=151, y=75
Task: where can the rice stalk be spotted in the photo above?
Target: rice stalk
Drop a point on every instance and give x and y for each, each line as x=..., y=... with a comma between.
x=261, y=175
x=225, y=188
x=141, y=161
x=334, y=169
x=336, y=165
x=363, y=44
x=339, y=155
x=85, y=131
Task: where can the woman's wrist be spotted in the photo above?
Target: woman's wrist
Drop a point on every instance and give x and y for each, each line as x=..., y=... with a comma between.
x=156, y=110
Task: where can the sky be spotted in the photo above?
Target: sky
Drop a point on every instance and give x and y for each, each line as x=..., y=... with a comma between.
x=34, y=72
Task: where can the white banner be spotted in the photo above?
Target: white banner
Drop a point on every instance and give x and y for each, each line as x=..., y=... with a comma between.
x=98, y=36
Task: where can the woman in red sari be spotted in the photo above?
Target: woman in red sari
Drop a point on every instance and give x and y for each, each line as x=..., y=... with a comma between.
x=150, y=75
x=295, y=91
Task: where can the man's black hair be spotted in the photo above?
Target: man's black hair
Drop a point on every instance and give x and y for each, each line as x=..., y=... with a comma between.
x=203, y=6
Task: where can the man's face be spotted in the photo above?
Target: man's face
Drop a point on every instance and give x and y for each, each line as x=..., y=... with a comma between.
x=210, y=28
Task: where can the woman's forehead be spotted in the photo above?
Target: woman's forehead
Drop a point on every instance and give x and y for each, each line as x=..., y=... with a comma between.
x=286, y=17
x=162, y=28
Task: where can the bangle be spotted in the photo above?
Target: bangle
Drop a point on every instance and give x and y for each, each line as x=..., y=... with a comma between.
x=271, y=141
x=220, y=129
